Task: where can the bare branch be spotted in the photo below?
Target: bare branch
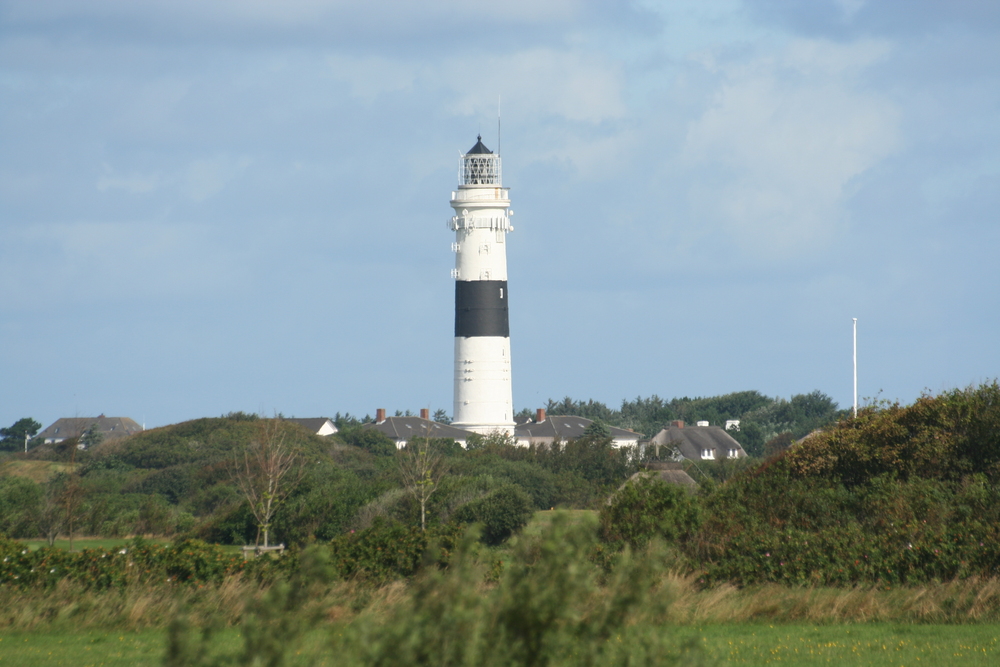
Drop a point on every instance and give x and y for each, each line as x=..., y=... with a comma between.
x=421, y=469
x=266, y=472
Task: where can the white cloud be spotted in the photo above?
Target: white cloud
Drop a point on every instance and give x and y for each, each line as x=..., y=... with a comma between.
x=783, y=138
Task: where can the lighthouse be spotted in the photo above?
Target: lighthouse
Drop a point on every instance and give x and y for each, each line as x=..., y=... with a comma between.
x=483, y=399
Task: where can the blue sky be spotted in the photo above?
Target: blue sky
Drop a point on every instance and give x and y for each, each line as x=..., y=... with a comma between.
x=216, y=206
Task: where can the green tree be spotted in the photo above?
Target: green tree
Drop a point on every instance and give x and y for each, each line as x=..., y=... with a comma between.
x=370, y=440
x=647, y=507
x=266, y=472
x=19, y=499
x=421, y=468
x=91, y=437
x=501, y=513
x=15, y=436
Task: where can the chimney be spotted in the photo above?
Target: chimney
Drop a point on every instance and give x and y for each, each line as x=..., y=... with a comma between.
x=678, y=423
x=425, y=413
x=540, y=415
x=379, y=415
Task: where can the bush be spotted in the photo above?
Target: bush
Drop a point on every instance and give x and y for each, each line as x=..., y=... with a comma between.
x=548, y=608
x=385, y=552
x=647, y=507
x=20, y=500
x=370, y=440
x=501, y=513
x=898, y=495
x=139, y=561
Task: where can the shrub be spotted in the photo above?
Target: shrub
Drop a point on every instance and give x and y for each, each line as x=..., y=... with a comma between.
x=139, y=561
x=391, y=551
x=548, y=608
x=647, y=507
x=501, y=513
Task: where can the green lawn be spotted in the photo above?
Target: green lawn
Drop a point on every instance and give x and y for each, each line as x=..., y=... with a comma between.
x=745, y=644
x=542, y=519
x=873, y=644
x=82, y=649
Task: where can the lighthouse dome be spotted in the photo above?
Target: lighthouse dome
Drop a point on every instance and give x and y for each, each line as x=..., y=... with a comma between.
x=479, y=148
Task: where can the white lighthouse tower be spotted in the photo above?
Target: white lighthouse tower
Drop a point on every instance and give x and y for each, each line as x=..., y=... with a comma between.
x=483, y=401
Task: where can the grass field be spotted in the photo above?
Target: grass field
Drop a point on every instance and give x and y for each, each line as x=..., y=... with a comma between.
x=37, y=471
x=874, y=644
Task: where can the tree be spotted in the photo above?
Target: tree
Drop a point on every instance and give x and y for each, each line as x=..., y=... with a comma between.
x=369, y=439
x=441, y=416
x=17, y=434
x=495, y=440
x=91, y=437
x=72, y=493
x=52, y=514
x=501, y=512
x=20, y=499
x=421, y=468
x=266, y=472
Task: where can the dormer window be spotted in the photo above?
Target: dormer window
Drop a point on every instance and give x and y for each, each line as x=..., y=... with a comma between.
x=707, y=453
x=734, y=453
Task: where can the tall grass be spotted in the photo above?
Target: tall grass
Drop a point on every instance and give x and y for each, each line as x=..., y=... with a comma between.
x=961, y=601
x=144, y=606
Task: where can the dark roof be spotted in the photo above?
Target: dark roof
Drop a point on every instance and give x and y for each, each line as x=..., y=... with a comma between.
x=73, y=427
x=691, y=440
x=678, y=477
x=479, y=148
x=311, y=424
x=404, y=428
x=565, y=428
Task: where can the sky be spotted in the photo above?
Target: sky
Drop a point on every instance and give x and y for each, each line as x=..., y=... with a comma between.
x=217, y=206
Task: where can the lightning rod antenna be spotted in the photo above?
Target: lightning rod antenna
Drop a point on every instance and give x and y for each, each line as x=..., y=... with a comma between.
x=498, y=125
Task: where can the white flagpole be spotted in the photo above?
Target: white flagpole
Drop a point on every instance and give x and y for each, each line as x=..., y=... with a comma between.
x=855, y=367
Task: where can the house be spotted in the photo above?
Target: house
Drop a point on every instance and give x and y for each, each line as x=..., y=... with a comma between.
x=698, y=443
x=401, y=429
x=315, y=425
x=545, y=430
x=669, y=472
x=110, y=428
x=542, y=431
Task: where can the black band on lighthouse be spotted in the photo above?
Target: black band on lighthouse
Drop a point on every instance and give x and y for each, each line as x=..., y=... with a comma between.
x=481, y=308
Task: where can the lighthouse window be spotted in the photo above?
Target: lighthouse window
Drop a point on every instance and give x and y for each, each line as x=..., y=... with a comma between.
x=501, y=292
x=499, y=236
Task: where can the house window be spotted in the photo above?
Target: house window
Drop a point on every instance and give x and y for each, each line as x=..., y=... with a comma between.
x=707, y=453
x=733, y=453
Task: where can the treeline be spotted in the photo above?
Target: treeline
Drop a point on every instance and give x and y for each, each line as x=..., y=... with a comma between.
x=898, y=495
x=178, y=481
x=762, y=418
